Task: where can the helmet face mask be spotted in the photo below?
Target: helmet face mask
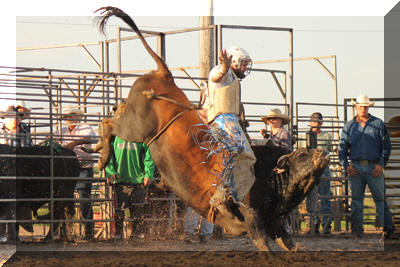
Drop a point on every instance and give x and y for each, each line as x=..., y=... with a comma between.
x=241, y=61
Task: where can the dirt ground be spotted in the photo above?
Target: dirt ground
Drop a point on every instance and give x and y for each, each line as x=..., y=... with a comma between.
x=337, y=250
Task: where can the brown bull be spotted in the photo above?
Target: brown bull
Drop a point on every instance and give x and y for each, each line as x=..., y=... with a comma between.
x=183, y=165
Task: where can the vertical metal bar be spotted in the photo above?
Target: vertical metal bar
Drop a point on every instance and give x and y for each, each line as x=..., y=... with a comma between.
x=102, y=71
x=84, y=77
x=119, y=67
x=118, y=49
x=336, y=96
x=161, y=46
x=78, y=100
x=297, y=123
x=52, y=157
x=107, y=94
x=291, y=76
x=285, y=88
x=346, y=183
x=59, y=106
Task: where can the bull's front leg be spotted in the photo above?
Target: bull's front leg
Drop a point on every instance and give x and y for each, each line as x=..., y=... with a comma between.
x=105, y=143
x=255, y=228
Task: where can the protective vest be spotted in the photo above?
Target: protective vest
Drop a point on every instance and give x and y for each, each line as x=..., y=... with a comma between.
x=224, y=99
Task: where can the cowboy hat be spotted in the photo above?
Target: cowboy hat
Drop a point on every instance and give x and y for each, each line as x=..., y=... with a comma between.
x=276, y=113
x=71, y=110
x=362, y=100
x=21, y=107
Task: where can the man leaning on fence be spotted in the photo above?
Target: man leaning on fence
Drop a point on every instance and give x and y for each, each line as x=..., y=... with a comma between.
x=365, y=142
x=323, y=189
x=14, y=132
x=78, y=136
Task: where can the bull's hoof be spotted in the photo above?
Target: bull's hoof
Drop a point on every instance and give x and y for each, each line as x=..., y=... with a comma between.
x=286, y=243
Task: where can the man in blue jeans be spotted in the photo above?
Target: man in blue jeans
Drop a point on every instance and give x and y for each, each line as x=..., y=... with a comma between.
x=365, y=142
x=324, y=141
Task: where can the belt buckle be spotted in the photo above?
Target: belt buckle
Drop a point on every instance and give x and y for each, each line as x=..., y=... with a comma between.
x=364, y=162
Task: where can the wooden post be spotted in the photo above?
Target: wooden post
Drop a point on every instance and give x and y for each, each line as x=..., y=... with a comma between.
x=206, y=44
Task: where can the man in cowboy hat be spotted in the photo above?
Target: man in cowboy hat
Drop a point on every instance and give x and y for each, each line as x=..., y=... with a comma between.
x=78, y=137
x=12, y=131
x=22, y=109
x=279, y=136
x=365, y=142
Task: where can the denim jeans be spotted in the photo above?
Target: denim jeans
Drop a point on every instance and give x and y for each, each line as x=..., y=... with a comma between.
x=388, y=224
x=84, y=189
x=377, y=188
x=324, y=191
x=191, y=222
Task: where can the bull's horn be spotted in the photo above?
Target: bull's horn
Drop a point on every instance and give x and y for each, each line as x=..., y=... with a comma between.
x=283, y=157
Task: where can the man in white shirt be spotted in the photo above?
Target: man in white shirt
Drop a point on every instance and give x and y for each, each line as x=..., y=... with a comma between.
x=78, y=137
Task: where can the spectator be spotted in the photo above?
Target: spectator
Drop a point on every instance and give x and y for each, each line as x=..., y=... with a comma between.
x=324, y=141
x=365, y=142
x=130, y=171
x=14, y=132
x=278, y=135
x=78, y=137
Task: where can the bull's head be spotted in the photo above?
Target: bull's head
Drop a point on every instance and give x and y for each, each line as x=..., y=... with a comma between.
x=299, y=172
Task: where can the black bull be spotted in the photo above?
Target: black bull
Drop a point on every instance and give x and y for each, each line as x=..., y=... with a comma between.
x=282, y=182
x=27, y=162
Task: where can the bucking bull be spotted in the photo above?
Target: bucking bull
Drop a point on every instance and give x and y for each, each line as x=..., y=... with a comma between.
x=28, y=164
x=158, y=113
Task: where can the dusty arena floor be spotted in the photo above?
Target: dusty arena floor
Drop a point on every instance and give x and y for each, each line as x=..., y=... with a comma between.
x=336, y=250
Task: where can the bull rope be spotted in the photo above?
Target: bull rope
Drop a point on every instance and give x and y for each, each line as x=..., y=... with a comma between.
x=151, y=95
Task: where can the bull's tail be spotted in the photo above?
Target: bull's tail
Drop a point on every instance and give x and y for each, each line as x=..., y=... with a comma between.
x=107, y=12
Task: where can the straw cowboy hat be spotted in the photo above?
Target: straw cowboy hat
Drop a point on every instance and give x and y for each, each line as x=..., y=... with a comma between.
x=362, y=100
x=276, y=113
x=21, y=107
x=71, y=110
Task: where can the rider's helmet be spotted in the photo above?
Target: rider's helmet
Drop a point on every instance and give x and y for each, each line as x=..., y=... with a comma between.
x=241, y=61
